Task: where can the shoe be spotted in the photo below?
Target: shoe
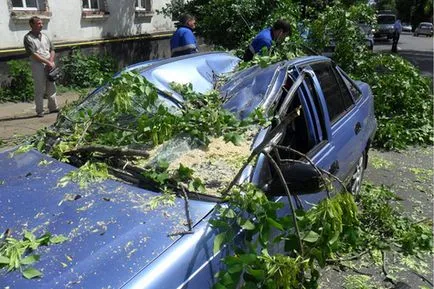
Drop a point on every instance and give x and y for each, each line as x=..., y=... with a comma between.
x=40, y=114
x=54, y=110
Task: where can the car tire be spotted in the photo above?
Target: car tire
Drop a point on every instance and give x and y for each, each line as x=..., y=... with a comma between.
x=355, y=184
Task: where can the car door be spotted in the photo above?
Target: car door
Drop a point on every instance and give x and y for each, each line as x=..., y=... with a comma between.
x=340, y=116
x=306, y=134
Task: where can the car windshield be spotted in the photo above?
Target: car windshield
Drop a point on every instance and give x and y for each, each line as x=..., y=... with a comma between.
x=386, y=19
x=216, y=165
x=425, y=26
x=246, y=90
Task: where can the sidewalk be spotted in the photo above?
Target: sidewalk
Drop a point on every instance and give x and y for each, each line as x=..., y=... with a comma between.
x=11, y=110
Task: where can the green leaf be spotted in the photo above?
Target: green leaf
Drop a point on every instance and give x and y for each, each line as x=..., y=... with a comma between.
x=248, y=258
x=228, y=213
x=310, y=237
x=247, y=225
x=275, y=224
x=258, y=274
x=219, y=286
x=58, y=239
x=4, y=260
x=218, y=241
x=235, y=138
x=31, y=273
x=30, y=260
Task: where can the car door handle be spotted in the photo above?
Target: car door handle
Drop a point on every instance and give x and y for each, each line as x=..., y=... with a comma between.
x=357, y=128
x=334, y=168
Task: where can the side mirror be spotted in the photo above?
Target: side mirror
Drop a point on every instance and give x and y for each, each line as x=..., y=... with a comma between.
x=301, y=178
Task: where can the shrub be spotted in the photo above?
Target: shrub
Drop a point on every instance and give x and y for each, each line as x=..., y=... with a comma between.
x=403, y=100
x=80, y=71
x=20, y=87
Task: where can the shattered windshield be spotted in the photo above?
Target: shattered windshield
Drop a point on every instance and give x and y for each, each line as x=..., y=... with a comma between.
x=247, y=89
x=145, y=137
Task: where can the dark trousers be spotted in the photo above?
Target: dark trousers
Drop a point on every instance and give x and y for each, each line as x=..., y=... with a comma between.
x=395, y=42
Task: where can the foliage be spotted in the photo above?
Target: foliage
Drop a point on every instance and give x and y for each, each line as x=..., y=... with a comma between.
x=19, y=254
x=322, y=230
x=357, y=282
x=81, y=71
x=88, y=173
x=20, y=87
x=231, y=23
x=403, y=100
x=335, y=227
x=386, y=226
x=337, y=26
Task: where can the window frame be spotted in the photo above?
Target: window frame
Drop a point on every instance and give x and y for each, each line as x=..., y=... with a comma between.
x=25, y=8
x=333, y=120
x=349, y=81
x=91, y=9
x=140, y=5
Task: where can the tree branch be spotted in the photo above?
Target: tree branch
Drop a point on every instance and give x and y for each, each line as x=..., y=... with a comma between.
x=108, y=150
x=291, y=203
x=257, y=150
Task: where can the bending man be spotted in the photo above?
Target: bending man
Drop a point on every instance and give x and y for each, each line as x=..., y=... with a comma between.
x=266, y=37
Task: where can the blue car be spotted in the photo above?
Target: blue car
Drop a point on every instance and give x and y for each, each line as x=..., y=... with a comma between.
x=115, y=240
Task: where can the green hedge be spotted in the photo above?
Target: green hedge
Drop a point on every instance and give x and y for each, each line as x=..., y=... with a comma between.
x=78, y=71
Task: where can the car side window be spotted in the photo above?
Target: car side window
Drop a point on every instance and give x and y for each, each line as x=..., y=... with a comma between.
x=337, y=97
x=355, y=91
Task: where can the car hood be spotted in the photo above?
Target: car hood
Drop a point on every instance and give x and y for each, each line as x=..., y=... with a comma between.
x=112, y=231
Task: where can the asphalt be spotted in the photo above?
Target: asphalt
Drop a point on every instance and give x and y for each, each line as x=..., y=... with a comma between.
x=26, y=110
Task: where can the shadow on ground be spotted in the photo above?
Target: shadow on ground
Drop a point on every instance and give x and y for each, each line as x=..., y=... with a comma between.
x=421, y=59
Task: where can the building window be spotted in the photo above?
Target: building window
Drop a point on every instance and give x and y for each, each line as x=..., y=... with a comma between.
x=143, y=5
x=91, y=5
x=25, y=4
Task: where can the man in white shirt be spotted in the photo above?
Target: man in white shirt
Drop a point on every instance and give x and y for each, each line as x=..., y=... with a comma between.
x=41, y=52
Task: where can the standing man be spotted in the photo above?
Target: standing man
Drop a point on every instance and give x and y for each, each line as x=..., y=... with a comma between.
x=183, y=40
x=266, y=37
x=41, y=53
x=397, y=29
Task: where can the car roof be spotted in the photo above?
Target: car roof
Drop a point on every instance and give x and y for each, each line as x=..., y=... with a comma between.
x=199, y=69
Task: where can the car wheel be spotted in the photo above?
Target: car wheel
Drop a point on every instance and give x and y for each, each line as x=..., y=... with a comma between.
x=357, y=177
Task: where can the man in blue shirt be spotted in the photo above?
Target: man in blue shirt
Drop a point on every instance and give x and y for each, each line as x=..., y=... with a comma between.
x=397, y=30
x=266, y=37
x=183, y=40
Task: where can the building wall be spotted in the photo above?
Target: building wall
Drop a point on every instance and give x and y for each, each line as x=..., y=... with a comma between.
x=129, y=36
x=65, y=22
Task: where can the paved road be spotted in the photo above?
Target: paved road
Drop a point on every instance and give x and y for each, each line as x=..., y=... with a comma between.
x=418, y=50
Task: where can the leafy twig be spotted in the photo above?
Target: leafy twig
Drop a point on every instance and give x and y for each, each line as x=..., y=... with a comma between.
x=187, y=208
x=288, y=193
x=318, y=170
x=290, y=117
